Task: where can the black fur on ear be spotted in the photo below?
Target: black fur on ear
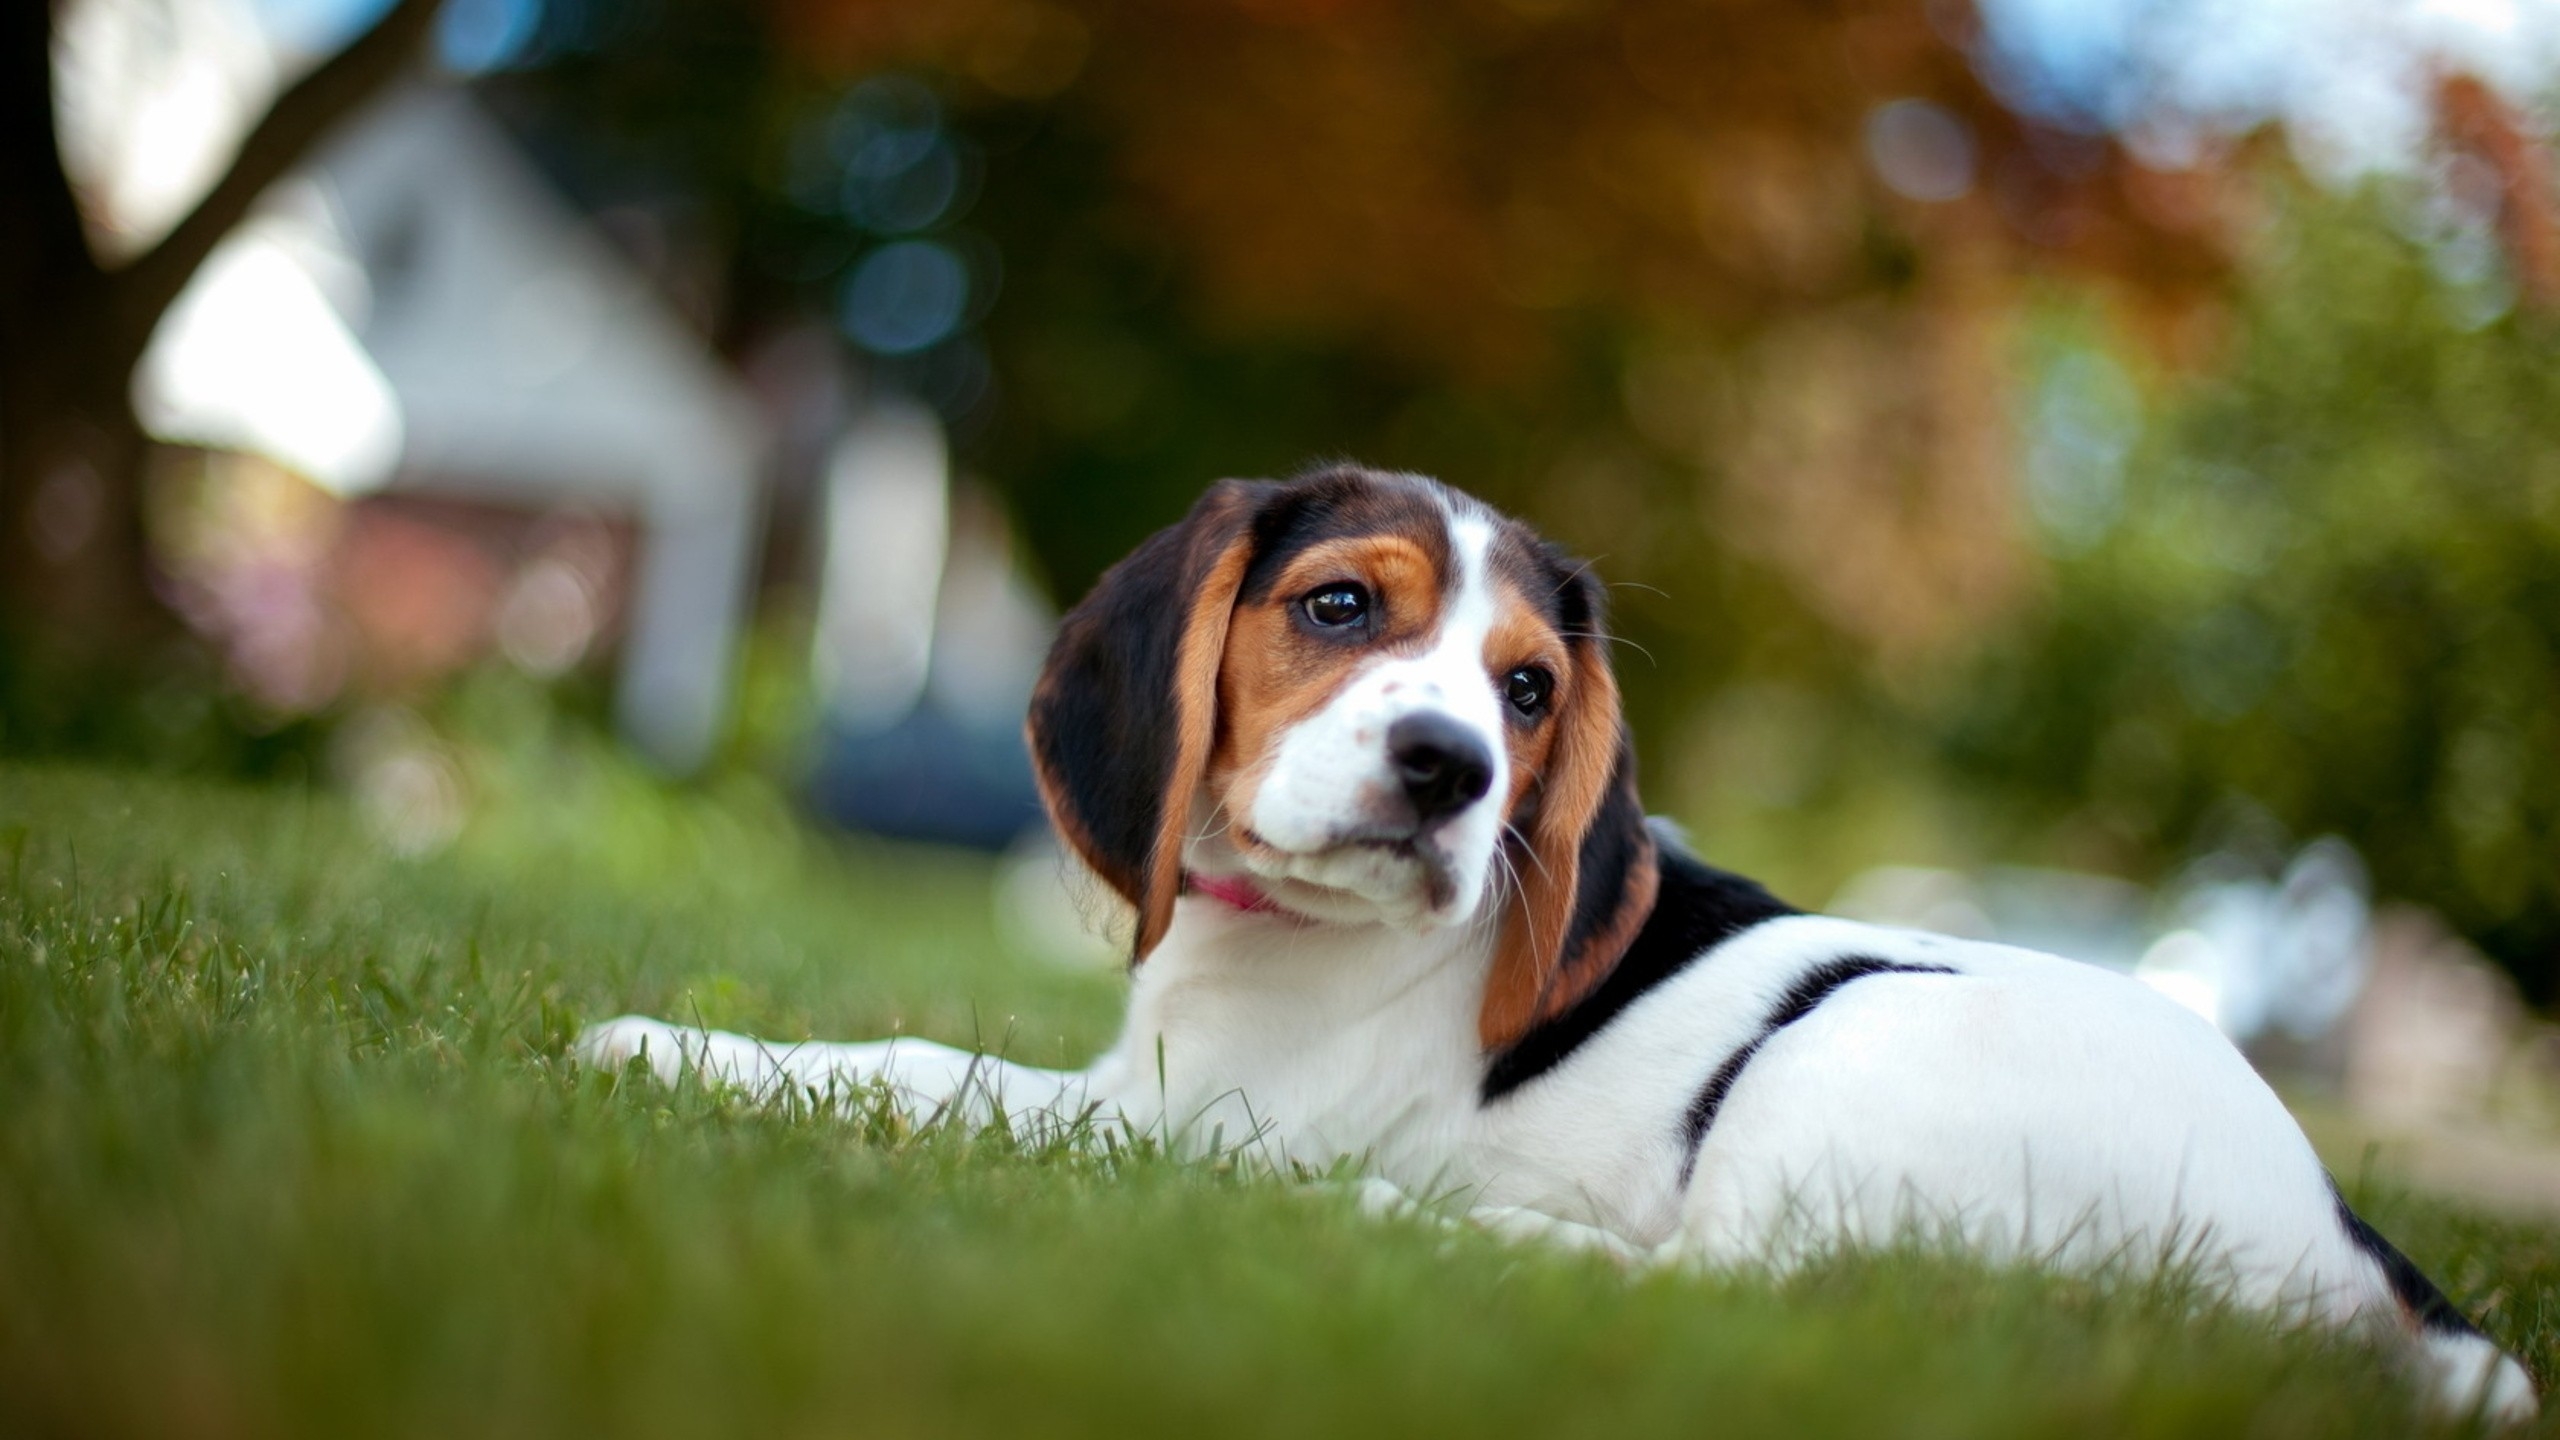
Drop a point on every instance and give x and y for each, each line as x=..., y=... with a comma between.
x=1123, y=717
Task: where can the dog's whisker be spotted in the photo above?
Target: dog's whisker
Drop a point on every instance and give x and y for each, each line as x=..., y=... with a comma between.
x=1508, y=874
x=1577, y=572
x=1609, y=640
x=1534, y=857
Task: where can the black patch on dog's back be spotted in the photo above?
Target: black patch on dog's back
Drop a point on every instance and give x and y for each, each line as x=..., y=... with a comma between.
x=1811, y=988
x=2416, y=1293
x=1698, y=908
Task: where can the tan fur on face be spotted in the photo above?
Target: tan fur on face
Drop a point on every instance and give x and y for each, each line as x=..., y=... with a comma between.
x=1563, y=776
x=1521, y=636
x=1132, y=745
x=1275, y=674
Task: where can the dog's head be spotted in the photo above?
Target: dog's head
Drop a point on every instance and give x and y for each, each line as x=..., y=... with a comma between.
x=1358, y=698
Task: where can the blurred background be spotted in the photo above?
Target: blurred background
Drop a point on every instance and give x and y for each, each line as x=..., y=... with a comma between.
x=2085, y=472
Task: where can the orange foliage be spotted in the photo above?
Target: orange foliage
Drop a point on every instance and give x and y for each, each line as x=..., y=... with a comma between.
x=2480, y=125
x=1447, y=179
x=1451, y=172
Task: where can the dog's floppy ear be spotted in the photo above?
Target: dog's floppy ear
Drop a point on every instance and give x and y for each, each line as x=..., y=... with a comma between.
x=1589, y=873
x=1126, y=708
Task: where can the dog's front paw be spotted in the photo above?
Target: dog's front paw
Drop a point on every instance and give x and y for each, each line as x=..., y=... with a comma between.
x=614, y=1044
x=1382, y=1199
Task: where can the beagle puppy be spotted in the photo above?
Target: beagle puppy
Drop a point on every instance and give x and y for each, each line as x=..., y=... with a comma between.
x=1350, y=747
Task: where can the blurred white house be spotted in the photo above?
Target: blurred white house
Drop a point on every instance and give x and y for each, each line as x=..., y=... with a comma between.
x=927, y=643
x=421, y=319
x=2271, y=954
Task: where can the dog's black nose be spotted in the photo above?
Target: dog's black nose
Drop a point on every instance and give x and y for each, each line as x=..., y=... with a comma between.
x=1444, y=767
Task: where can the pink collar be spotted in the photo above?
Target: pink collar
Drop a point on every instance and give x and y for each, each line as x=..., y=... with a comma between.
x=1233, y=891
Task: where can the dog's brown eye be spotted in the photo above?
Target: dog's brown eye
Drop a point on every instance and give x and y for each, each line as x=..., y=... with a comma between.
x=1527, y=688
x=1337, y=605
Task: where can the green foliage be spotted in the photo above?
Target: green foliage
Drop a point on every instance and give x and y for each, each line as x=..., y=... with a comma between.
x=289, y=1145
x=2330, y=589
x=164, y=706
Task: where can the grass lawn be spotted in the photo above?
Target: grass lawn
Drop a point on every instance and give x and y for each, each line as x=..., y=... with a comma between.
x=289, y=1145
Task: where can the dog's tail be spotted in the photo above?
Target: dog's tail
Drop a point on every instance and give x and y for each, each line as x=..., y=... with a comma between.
x=2465, y=1372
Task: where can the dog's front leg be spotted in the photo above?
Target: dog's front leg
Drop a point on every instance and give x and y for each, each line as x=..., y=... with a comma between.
x=929, y=1082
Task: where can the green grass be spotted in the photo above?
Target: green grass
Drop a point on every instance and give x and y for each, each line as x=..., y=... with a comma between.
x=289, y=1145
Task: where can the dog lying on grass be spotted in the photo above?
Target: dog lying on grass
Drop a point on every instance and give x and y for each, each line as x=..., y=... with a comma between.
x=1350, y=747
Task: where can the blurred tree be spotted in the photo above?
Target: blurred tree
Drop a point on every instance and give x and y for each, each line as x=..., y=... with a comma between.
x=73, y=326
x=1719, y=292
x=2326, y=582
x=1579, y=256
x=1599, y=258
x=1725, y=292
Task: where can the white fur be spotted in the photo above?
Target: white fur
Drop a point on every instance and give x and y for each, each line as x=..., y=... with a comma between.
x=2027, y=1106
x=2032, y=1107
x=1329, y=777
